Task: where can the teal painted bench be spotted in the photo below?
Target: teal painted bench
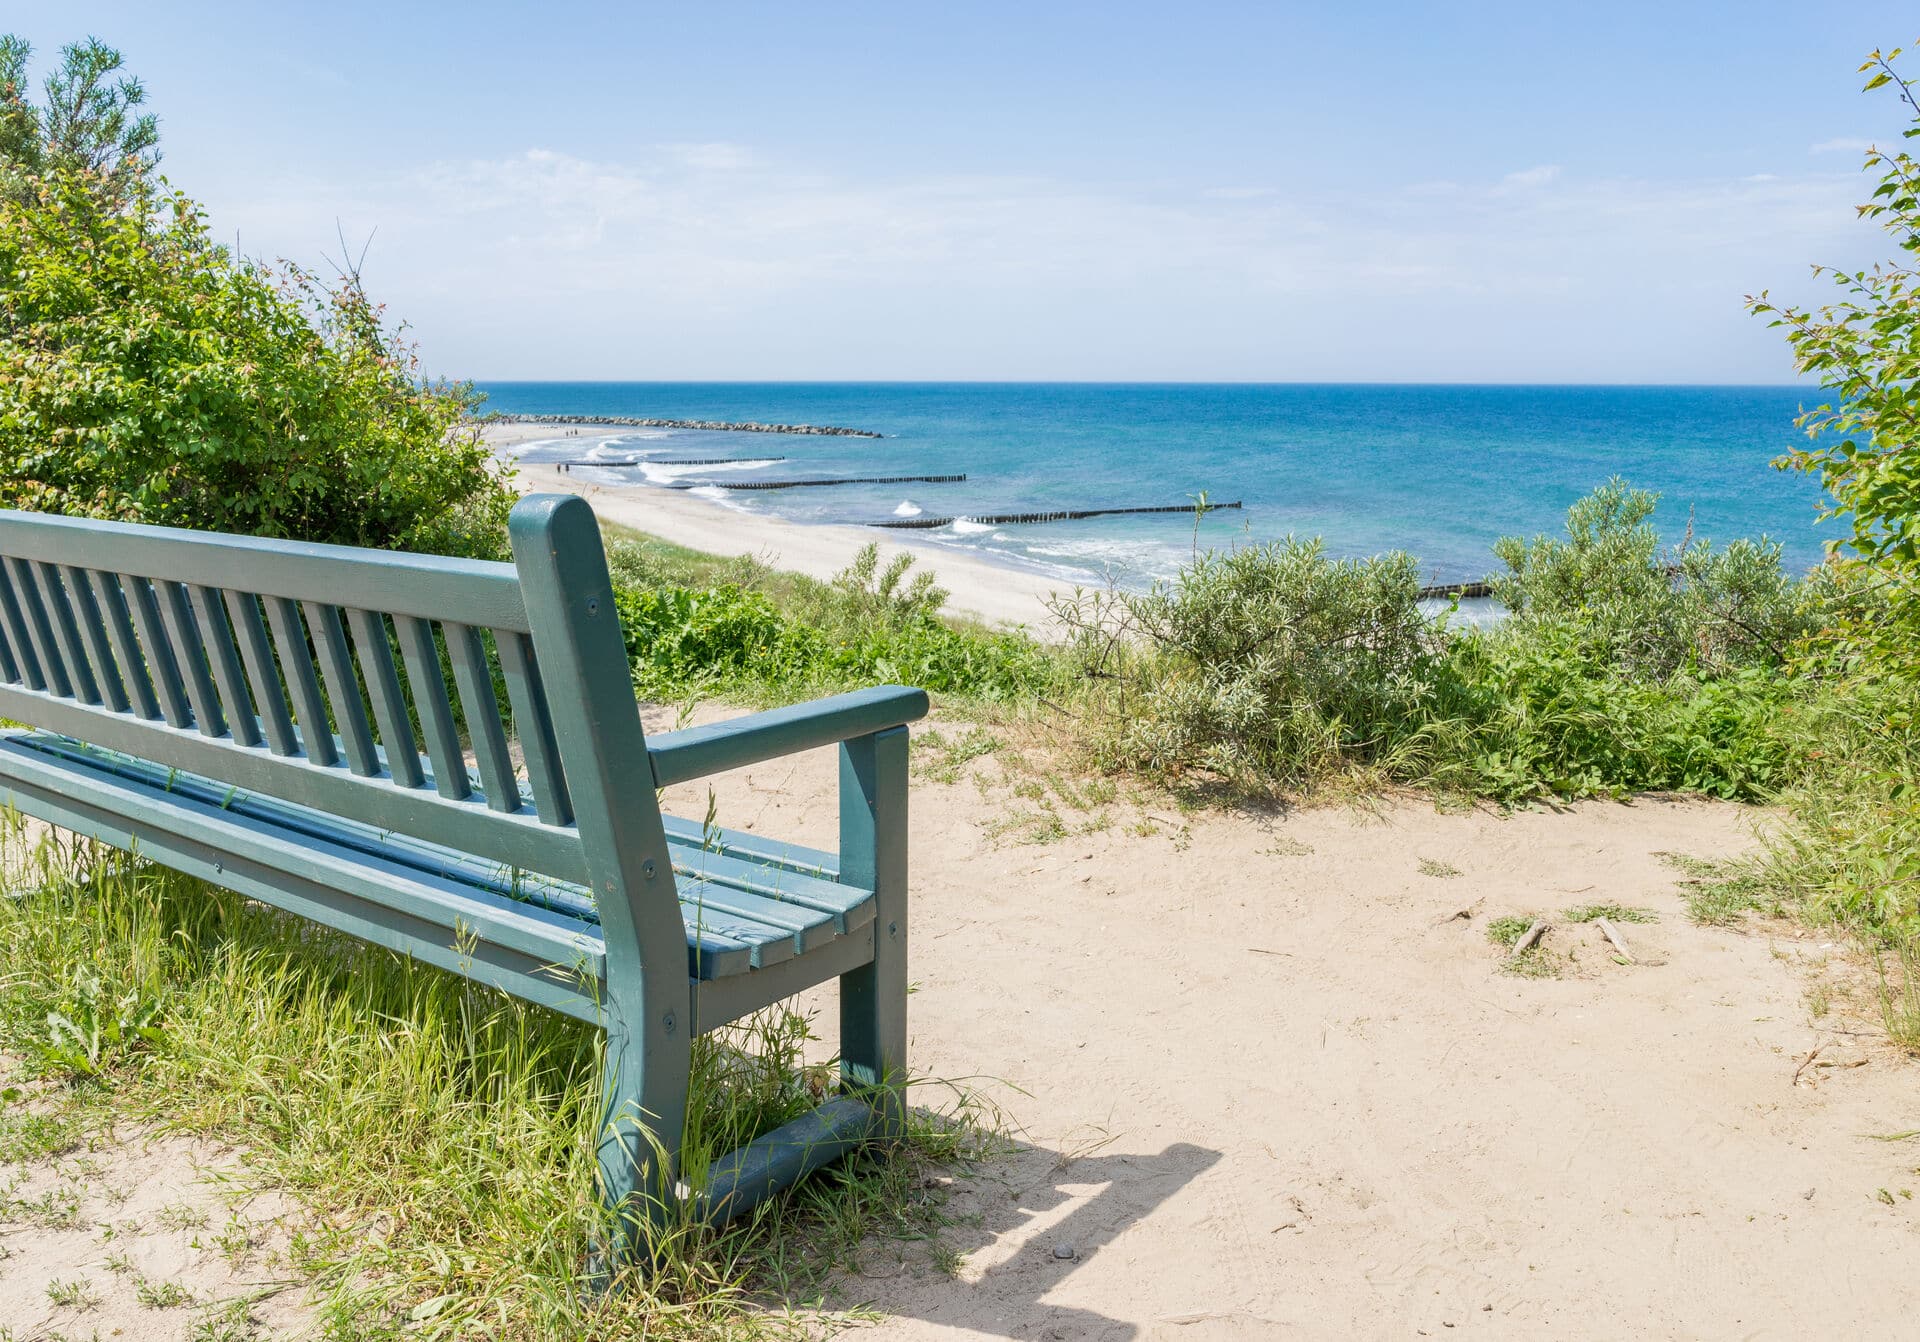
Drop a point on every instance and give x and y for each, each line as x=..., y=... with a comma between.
x=233, y=708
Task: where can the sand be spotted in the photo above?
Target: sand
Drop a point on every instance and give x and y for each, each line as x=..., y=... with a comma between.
x=1269, y=1079
x=990, y=592
x=1273, y=1082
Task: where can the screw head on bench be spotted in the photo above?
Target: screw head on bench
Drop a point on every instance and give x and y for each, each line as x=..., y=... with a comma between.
x=593, y=605
x=666, y=1022
x=646, y=868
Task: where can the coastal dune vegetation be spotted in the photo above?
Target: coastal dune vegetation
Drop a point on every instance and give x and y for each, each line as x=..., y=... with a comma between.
x=147, y=372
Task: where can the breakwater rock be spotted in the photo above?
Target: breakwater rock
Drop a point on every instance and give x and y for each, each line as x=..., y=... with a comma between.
x=749, y=426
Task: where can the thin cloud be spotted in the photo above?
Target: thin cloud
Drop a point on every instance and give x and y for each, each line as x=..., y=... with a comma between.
x=1843, y=145
x=678, y=264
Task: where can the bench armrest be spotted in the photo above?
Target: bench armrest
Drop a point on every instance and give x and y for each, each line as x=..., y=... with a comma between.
x=699, y=751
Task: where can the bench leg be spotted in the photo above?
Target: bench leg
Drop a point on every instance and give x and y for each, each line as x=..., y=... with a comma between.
x=873, y=853
x=642, y=1122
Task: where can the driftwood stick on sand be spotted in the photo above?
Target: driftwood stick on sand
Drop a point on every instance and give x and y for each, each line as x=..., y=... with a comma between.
x=1530, y=938
x=1619, y=942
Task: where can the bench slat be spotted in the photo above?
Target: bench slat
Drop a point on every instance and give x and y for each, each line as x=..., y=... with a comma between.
x=34, y=625
x=93, y=634
x=191, y=658
x=161, y=663
x=480, y=709
x=827, y=900
x=66, y=632
x=534, y=726
x=343, y=690
x=216, y=636
x=26, y=666
x=309, y=705
x=757, y=849
x=256, y=650
x=383, y=687
x=111, y=602
x=429, y=685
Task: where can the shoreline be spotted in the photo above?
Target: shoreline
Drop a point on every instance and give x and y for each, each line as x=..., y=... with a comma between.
x=994, y=594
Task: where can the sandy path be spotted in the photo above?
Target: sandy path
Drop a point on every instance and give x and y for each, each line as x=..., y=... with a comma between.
x=1270, y=1085
x=985, y=591
x=1291, y=1095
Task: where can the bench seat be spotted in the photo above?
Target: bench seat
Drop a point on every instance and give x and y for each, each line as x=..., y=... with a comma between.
x=747, y=903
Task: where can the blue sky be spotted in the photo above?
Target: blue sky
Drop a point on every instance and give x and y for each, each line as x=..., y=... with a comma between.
x=1194, y=191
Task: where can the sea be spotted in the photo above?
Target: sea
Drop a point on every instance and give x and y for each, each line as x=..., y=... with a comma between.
x=1440, y=472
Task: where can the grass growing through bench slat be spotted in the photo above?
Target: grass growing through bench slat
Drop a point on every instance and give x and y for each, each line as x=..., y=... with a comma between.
x=440, y=1134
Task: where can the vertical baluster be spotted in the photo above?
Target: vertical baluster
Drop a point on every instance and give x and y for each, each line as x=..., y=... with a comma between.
x=9, y=669
x=161, y=662
x=243, y=609
x=19, y=642
x=316, y=735
x=111, y=602
x=191, y=658
x=389, y=706
x=66, y=632
x=93, y=633
x=34, y=615
x=210, y=617
x=429, y=685
x=535, y=727
x=481, y=709
x=343, y=691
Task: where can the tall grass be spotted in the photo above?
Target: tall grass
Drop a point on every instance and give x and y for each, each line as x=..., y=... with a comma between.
x=441, y=1133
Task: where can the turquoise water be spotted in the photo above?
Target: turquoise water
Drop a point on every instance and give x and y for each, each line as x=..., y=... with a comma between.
x=1439, y=471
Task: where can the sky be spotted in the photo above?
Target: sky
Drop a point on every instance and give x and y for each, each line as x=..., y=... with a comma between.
x=1387, y=192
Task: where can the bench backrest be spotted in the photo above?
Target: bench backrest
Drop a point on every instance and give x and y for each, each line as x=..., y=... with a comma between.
x=270, y=665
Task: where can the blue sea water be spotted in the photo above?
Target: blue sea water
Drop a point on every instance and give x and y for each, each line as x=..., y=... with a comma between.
x=1438, y=471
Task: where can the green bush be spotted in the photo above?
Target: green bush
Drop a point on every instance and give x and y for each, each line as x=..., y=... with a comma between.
x=1265, y=662
x=1649, y=610
x=146, y=373
x=1276, y=666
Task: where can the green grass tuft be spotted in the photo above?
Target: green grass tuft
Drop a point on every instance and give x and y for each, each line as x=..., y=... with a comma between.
x=1615, y=913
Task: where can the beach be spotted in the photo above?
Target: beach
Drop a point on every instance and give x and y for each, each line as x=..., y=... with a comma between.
x=983, y=590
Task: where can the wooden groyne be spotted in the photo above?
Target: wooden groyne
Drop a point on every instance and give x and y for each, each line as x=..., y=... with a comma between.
x=1009, y=519
x=841, y=480
x=1466, y=591
x=716, y=425
x=659, y=461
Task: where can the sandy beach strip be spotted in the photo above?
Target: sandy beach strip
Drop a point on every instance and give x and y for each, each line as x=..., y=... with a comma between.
x=990, y=592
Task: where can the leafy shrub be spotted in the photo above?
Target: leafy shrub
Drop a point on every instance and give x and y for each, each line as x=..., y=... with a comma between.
x=1274, y=665
x=1265, y=662
x=146, y=373
x=866, y=591
x=1652, y=611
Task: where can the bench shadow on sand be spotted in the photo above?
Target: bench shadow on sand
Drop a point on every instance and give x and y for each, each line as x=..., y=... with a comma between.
x=1002, y=1225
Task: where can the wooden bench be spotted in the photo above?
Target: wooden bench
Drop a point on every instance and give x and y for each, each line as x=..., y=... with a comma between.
x=233, y=708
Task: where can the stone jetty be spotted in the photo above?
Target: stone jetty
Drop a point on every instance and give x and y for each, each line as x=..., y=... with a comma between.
x=749, y=426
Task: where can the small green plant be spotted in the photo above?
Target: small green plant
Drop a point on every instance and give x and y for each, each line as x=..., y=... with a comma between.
x=76, y=1294
x=152, y=1294
x=94, y=1027
x=1615, y=913
x=1439, y=870
x=1505, y=931
x=868, y=591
